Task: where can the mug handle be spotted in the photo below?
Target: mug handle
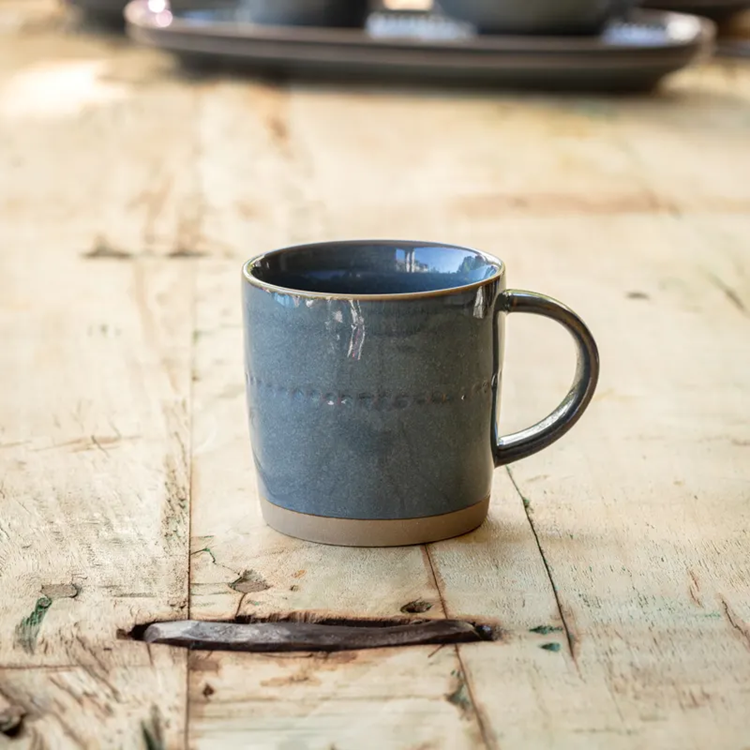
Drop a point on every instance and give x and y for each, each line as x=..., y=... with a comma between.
x=526, y=442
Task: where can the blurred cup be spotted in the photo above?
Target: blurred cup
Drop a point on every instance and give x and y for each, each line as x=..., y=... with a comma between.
x=537, y=16
x=348, y=13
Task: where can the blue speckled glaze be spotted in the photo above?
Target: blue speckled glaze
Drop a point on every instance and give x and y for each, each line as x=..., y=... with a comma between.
x=369, y=372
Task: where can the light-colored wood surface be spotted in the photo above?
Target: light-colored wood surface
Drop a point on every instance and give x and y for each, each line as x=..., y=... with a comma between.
x=129, y=195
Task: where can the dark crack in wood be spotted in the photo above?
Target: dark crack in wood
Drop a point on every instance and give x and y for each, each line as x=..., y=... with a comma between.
x=728, y=292
x=303, y=636
x=527, y=509
x=103, y=250
x=486, y=633
x=742, y=629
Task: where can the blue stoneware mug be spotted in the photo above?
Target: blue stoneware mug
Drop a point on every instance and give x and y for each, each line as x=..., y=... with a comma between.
x=373, y=386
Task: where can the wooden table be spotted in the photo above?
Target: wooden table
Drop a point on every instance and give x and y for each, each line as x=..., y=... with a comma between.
x=615, y=563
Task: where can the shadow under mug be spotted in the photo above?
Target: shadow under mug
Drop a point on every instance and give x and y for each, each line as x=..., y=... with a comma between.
x=373, y=385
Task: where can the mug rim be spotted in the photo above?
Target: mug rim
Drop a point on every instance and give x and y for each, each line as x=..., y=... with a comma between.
x=491, y=260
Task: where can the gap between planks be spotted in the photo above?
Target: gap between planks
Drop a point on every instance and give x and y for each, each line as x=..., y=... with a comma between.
x=569, y=637
x=488, y=743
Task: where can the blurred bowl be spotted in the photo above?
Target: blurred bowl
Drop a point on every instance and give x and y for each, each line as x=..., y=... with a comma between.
x=306, y=12
x=537, y=16
x=270, y=12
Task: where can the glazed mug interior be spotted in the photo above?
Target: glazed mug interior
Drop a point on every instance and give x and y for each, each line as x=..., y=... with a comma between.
x=385, y=268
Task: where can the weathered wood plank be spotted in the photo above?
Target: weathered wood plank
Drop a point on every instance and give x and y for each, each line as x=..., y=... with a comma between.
x=254, y=170
x=126, y=706
x=98, y=140
x=95, y=444
x=96, y=326
x=392, y=698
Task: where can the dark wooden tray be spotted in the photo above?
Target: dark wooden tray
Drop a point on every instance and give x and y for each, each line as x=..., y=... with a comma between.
x=632, y=54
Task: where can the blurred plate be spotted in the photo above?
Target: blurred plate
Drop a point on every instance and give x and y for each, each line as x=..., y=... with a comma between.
x=632, y=54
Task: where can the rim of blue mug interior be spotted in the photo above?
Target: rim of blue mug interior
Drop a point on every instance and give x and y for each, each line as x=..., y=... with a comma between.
x=255, y=281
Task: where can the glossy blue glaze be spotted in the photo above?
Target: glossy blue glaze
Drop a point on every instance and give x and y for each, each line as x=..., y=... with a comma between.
x=371, y=407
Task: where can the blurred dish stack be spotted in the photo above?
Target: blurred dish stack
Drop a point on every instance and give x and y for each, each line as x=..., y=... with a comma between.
x=604, y=45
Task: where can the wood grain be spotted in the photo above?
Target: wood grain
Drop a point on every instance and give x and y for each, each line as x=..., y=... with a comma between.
x=394, y=698
x=96, y=330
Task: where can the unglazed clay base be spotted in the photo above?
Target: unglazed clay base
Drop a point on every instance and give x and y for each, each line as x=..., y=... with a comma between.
x=350, y=532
